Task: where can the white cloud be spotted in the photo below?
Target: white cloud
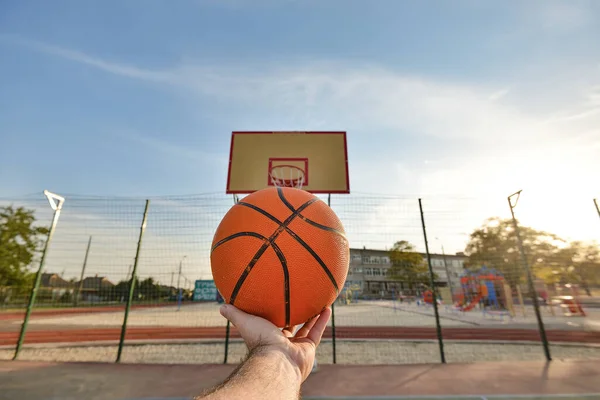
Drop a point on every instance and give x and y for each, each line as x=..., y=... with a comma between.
x=82, y=58
x=173, y=150
x=498, y=147
x=499, y=94
x=562, y=15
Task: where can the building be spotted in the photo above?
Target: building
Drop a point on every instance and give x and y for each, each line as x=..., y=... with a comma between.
x=53, y=287
x=369, y=272
x=94, y=288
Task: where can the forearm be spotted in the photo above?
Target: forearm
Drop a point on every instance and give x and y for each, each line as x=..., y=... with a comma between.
x=266, y=374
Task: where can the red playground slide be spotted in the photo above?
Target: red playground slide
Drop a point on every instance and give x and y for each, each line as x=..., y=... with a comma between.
x=472, y=304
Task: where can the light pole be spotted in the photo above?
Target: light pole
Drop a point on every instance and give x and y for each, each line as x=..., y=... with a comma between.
x=447, y=270
x=179, y=291
x=56, y=202
x=80, y=287
x=525, y=266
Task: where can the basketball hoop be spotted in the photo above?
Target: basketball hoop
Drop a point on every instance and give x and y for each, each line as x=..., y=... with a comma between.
x=287, y=176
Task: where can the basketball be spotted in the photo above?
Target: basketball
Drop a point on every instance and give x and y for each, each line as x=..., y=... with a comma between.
x=280, y=253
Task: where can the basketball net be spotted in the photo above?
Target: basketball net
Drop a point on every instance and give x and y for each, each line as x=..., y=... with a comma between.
x=287, y=176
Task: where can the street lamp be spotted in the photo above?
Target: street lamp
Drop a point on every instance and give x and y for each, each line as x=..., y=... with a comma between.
x=446, y=268
x=179, y=291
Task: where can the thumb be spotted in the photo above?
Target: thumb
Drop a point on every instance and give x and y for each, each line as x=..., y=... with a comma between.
x=234, y=315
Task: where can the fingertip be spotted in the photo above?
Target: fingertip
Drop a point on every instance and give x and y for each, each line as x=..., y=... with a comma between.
x=317, y=330
x=325, y=314
x=224, y=309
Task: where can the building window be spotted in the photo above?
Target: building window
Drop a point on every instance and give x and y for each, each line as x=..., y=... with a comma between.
x=377, y=271
x=368, y=271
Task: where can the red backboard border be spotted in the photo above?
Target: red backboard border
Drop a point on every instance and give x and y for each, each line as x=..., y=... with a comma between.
x=346, y=191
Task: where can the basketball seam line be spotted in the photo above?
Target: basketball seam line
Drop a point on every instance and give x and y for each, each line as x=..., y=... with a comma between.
x=236, y=235
x=302, y=217
x=286, y=281
x=260, y=252
x=284, y=200
x=323, y=227
x=297, y=238
x=313, y=223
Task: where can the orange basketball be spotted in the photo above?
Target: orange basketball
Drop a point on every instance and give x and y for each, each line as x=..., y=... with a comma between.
x=281, y=254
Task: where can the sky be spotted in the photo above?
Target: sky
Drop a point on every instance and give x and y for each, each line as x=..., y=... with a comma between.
x=443, y=100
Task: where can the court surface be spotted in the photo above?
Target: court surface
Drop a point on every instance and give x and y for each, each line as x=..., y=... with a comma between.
x=499, y=380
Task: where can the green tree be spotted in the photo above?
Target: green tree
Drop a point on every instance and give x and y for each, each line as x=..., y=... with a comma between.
x=408, y=266
x=149, y=289
x=495, y=245
x=20, y=242
x=120, y=291
x=578, y=263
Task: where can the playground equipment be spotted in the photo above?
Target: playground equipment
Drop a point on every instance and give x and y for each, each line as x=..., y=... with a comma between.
x=566, y=297
x=428, y=297
x=349, y=294
x=484, y=287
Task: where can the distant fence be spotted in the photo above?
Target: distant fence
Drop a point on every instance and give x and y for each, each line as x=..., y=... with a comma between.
x=114, y=289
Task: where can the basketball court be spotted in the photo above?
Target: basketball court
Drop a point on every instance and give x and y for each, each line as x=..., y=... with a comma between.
x=316, y=162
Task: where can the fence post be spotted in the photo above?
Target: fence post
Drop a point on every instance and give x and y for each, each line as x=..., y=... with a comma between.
x=226, y=342
x=332, y=310
x=228, y=327
x=56, y=202
x=132, y=281
x=433, y=293
x=87, y=252
x=532, y=291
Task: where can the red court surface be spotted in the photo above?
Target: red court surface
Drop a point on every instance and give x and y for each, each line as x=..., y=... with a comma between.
x=36, y=380
x=355, y=332
x=53, y=312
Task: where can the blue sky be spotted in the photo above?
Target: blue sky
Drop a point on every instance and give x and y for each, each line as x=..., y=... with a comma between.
x=139, y=97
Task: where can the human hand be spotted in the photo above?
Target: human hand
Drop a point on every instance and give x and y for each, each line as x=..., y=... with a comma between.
x=261, y=335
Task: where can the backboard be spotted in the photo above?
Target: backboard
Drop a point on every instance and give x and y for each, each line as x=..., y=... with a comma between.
x=315, y=161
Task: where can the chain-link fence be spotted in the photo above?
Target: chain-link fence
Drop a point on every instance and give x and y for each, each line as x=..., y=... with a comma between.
x=112, y=286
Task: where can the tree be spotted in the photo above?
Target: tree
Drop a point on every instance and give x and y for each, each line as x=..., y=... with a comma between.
x=146, y=289
x=407, y=265
x=20, y=242
x=120, y=291
x=149, y=289
x=578, y=263
x=495, y=246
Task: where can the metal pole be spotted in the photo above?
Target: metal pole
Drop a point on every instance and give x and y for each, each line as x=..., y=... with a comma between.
x=80, y=288
x=227, y=328
x=226, y=342
x=597, y=207
x=433, y=294
x=532, y=291
x=448, y=275
x=132, y=281
x=56, y=202
x=179, y=290
x=332, y=310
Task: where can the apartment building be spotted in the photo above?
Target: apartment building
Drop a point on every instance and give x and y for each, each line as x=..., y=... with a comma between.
x=369, y=272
